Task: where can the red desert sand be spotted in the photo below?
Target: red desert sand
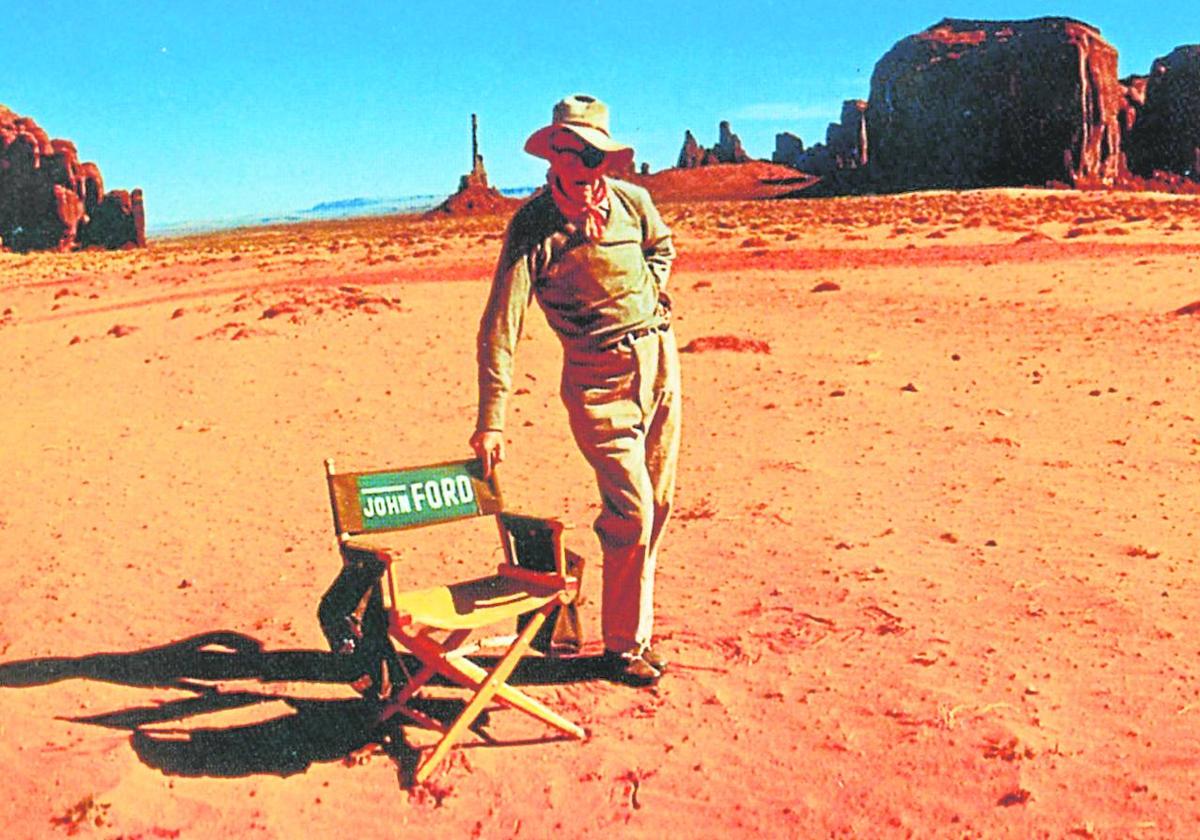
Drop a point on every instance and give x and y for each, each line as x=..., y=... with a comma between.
x=932, y=571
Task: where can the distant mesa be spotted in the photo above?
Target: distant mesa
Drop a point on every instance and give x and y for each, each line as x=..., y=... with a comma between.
x=49, y=200
x=972, y=103
x=727, y=150
x=976, y=103
x=845, y=145
x=342, y=204
x=1165, y=135
x=475, y=196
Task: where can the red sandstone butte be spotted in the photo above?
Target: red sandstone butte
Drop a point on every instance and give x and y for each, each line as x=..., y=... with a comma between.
x=727, y=150
x=971, y=103
x=475, y=196
x=1166, y=135
x=49, y=200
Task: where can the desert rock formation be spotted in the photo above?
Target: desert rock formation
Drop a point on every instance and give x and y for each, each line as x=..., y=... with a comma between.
x=1135, y=100
x=970, y=103
x=691, y=155
x=116, y=221
x=49, y=200
x=1166, y=134
x=845, y=146
x=788, y=148
x=475, y=196
x=729, y=146
x=727, y=150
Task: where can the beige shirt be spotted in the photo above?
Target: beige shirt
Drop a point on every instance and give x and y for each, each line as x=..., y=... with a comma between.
x=592, y=292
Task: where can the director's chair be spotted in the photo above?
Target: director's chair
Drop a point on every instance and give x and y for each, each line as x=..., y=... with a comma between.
x=366, y=503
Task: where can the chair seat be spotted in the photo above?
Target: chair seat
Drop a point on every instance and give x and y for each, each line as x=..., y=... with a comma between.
x=472, y=603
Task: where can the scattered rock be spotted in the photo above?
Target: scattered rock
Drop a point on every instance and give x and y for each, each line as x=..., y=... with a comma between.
x=285, y=308
x=735, y=343
x=1017, y=797
x=87, y=812
x=827, y=286
x=1034, y=236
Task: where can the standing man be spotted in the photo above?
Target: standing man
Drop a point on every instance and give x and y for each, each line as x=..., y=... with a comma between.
x=596, y=254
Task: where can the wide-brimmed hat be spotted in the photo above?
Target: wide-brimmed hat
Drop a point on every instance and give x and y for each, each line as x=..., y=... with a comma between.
x=587, y=118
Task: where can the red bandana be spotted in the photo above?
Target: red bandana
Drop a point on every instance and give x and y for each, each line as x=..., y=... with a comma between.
x=590, y=215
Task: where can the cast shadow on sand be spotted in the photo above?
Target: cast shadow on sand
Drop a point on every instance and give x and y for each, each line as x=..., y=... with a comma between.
x=307, y=732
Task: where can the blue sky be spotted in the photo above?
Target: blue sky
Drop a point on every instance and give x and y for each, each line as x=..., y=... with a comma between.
x=223, y=109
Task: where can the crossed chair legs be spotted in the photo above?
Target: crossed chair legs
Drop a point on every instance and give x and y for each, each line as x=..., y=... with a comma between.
x=437, y=658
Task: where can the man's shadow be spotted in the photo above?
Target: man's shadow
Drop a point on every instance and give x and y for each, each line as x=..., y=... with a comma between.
x=309, y=731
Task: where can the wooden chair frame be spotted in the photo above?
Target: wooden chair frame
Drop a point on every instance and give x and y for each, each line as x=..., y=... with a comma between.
x=390, y=500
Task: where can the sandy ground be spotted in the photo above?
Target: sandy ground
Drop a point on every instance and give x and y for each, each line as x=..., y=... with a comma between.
x=933, y=570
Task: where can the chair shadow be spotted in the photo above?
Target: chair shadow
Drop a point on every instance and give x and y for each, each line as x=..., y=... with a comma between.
x=218, y=655
x=309, y=731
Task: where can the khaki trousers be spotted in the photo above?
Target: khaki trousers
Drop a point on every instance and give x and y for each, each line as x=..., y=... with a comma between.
x=624, y=407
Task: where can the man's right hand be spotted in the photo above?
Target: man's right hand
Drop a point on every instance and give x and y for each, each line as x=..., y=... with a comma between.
x=489, y=446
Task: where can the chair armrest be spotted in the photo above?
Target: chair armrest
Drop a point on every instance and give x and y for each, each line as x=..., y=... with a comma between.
x=380, y=553
x=547, y=579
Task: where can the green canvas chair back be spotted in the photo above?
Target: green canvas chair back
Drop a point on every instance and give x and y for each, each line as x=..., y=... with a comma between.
x=397, y=499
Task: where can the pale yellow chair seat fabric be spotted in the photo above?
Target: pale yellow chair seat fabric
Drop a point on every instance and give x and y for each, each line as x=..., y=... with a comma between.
x=470, y=604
